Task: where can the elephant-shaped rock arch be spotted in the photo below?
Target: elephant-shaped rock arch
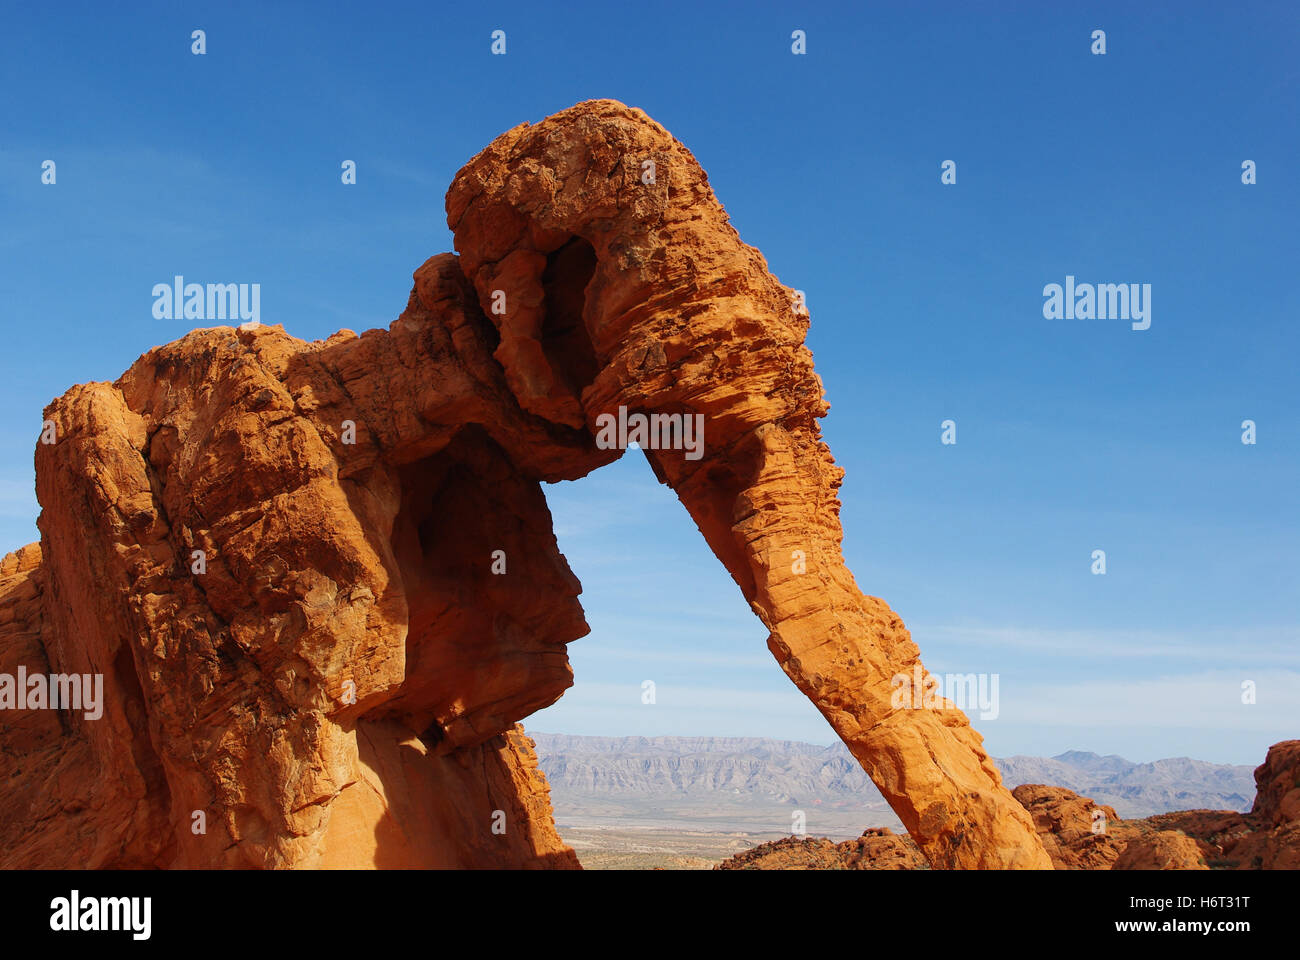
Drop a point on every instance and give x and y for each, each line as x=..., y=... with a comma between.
x=320, y=582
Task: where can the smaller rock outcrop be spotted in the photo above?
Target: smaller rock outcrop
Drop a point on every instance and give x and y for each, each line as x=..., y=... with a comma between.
x=1267, y=838
x=877, y=849
x=1277, y=785
x=1162, y=850
x=1077, y=833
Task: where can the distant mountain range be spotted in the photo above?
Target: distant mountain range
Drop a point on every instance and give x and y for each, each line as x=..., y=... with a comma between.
x=755, y=783
x=1139, y=789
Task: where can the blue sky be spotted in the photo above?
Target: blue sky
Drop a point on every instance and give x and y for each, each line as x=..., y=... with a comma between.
x=926, y=304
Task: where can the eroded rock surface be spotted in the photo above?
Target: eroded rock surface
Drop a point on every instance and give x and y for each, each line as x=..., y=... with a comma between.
x=1161, y=850
x=1077, y=833
x=877, y=849
x=320, y=579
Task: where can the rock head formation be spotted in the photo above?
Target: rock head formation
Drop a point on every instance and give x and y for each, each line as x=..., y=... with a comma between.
x=320, y=583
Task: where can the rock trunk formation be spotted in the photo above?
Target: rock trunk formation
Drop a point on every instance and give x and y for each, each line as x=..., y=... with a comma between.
x=320, y=580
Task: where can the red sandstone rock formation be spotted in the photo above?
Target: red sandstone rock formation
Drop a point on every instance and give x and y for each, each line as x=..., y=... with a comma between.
x=877, y=849
x=285, y=557
x=1161, y=850
x=1073, y=834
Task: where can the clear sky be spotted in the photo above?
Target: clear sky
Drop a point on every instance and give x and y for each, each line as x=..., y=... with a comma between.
x=926, y=302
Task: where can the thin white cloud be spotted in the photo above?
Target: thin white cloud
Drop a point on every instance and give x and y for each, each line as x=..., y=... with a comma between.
x=1266, y=644
x=1209, y=700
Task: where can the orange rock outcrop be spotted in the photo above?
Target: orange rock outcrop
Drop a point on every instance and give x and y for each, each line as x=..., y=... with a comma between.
x=1077, y=833
x=320, y=580
x=879, y=848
